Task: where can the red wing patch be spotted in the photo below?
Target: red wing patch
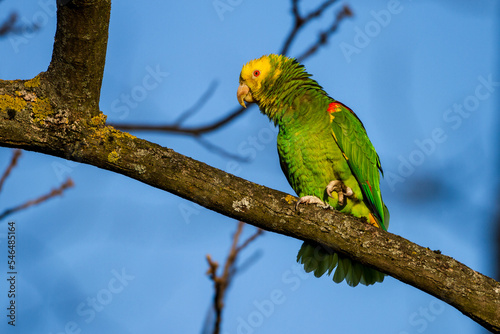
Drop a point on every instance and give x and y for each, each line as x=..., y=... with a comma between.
x=337, y=106
x=334, y=107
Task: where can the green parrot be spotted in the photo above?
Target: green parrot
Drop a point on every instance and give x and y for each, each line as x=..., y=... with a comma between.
x=324, y=152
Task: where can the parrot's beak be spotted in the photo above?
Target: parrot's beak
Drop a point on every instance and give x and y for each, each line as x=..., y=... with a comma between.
x=243, y=94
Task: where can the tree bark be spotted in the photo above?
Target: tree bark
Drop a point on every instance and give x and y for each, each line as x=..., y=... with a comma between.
x=57, y=113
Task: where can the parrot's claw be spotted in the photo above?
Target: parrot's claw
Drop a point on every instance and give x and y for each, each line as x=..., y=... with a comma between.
x=311, y=200
x=341, y=189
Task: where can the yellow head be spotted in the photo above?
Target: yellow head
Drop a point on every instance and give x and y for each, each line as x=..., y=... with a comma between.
x=253, y=74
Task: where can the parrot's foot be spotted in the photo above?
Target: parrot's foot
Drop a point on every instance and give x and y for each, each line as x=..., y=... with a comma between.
x=311, y=200
x=341, y=189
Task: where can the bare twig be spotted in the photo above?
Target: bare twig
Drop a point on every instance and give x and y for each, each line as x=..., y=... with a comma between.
x=299, y=23
x=323, y=36
x=13, y=162
x=249, y=240
x=10, y=26
x=54, y=192
x=198, y=105
x=220, y=151
x=222, y=282
x=176, y=128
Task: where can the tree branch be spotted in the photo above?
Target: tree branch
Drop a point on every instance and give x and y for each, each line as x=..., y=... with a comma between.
x=53, y=193
x=301, y=21
x=11, y=26
x=13, y=162
x=222, y=282
x=79, y=54
x=324, y=35
x=63, y=123
x=102, y=146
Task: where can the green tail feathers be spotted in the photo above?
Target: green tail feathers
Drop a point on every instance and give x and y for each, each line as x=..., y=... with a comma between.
x=320, y=260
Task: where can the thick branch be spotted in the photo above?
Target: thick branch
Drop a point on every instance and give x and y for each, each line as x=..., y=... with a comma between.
x=79, y=53
x=474, y=294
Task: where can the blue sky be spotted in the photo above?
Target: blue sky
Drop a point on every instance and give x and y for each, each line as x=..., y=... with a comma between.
x=424, y=81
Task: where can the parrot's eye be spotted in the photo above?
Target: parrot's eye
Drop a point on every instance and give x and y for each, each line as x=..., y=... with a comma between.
x=256, y=73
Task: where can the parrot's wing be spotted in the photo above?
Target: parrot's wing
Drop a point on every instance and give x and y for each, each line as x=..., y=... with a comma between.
x=350, y=135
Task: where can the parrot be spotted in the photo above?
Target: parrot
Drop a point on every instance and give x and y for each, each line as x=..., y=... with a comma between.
x=324, y=152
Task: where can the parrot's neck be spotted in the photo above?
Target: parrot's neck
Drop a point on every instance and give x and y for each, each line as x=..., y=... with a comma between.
x=295, y=98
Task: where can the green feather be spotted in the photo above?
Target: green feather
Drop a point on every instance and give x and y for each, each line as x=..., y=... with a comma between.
x=356, y=274
x=334, y=260
x=342, y=270
x=315, y=147
x=350, y=135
